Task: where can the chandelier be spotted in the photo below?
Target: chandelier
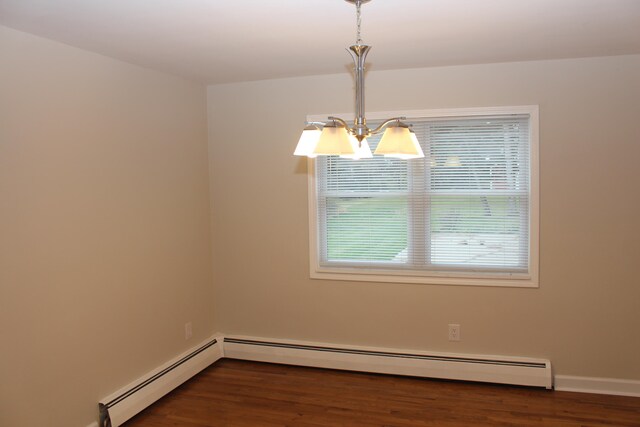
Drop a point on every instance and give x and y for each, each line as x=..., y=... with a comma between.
x=336, y=137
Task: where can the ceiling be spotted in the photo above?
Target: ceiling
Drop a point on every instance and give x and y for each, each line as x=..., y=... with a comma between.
x=221, y=41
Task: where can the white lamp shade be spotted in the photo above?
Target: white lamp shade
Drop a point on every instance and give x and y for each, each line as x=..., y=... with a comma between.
x=334, y=141
x=362, y=150
x=399, y=142
x=308, y=141
x=416, y=146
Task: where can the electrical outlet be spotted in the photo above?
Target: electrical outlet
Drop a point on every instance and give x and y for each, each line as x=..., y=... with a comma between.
x=188, y=331
x=454, y=332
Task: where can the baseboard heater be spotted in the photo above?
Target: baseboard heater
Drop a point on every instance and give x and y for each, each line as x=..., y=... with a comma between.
x=133, y=398
x=494, y=369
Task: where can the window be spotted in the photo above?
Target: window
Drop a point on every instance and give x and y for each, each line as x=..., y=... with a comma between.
x=465, y=214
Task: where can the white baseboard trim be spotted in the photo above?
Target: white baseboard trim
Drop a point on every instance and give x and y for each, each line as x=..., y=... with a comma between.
x=468, y=367
x=612, y=386
x=93, y=424
x=120, y=406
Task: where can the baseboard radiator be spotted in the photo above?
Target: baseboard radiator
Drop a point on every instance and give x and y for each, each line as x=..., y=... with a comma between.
x=133, y=398
x=494, y=369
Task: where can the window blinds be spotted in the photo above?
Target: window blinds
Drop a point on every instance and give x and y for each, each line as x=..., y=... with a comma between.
x=464, y=207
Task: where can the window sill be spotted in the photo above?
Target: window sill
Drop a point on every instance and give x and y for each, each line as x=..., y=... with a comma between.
x=513, y=280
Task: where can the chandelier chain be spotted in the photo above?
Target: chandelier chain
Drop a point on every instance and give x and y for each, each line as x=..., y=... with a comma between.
x=359, y=22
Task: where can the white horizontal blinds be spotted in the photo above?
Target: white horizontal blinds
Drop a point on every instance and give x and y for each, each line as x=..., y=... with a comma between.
x=479, y=193
x=363, y=209
x=464, y=207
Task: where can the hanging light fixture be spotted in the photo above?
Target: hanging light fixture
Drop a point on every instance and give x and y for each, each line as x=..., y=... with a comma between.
x=336, y=137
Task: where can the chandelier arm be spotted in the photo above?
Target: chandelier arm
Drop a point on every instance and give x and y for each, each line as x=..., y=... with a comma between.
x=339, y=120
x=385, y=124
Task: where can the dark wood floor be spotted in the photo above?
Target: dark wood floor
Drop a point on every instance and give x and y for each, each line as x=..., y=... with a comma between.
x=240, y=393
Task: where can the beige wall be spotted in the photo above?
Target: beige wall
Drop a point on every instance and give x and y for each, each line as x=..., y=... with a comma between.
x=585, y=314
x=104, y=227
x=104, y=222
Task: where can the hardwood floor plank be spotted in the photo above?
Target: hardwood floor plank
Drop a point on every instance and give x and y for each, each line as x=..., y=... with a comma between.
x=234, y=393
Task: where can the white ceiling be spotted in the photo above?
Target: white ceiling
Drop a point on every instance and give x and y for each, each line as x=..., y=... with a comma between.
x=218, y=41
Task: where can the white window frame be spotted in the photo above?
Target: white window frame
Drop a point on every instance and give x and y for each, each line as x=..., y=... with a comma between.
x=524, y=280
